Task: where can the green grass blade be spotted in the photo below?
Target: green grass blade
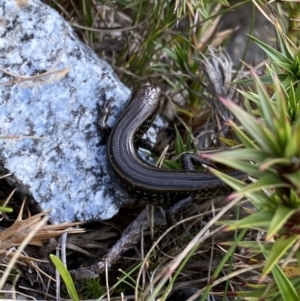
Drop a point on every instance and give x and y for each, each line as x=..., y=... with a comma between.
x=281, y=215
x=242, y=136
x=257, y=220
x=6, y=209
x=279, y=249
x=267, y=180
x=64, y=273
x=275, y=55
x=179, y=145
x=267, y=108
x=244, y=166
x=283, y=45
x=286, y=288
x=254, y=155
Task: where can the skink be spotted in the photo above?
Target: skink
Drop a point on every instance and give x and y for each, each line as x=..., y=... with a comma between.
x=143, y=182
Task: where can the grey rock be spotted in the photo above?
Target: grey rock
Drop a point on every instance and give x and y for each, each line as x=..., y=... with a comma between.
x=52, y=88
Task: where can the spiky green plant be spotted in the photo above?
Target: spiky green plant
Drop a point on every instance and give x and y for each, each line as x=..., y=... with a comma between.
x=271, y=155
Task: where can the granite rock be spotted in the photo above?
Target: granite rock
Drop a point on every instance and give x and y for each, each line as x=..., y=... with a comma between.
x=52, y=89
